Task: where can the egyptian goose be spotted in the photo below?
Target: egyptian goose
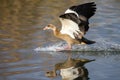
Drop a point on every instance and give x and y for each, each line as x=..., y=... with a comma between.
x=75, y=24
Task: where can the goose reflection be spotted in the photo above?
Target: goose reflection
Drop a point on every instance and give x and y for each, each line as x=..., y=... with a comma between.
x=71, y=69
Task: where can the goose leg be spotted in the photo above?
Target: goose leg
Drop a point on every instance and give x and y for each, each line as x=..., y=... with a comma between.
x=67, y=47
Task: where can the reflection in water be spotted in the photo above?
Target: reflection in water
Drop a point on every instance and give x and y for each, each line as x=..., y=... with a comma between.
x=71, y=69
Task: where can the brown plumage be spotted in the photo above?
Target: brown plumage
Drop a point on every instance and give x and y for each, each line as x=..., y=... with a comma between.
x=70, y=41
x=75, y=24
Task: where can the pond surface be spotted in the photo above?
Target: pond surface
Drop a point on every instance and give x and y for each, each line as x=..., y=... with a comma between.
x=27, y=52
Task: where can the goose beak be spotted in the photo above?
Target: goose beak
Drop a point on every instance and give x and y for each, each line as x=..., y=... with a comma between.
x=45, y=28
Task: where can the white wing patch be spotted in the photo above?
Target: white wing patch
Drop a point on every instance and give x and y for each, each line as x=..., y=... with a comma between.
x=69, y=27
x=71, y=11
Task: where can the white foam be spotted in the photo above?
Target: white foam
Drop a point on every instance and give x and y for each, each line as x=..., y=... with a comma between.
x=51, y=48
x=100, y=45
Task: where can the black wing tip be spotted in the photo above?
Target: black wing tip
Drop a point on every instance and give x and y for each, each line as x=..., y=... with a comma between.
x=85, y=9
x=92, y=9
x=88, y=3
x=91, y=3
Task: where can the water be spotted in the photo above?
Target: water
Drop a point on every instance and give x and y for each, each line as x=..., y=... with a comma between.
x=27, y=52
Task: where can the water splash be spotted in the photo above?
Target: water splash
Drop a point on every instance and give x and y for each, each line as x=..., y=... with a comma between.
x=51, y=47
x=100, y=45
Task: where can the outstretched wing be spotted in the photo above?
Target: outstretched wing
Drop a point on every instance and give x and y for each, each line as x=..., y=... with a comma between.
x=75, y=20
x=70, y=24
x=87, y=10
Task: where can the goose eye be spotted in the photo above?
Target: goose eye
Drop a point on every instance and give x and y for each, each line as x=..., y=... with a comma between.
x=48, y=25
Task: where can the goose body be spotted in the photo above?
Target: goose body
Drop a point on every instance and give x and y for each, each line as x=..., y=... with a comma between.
x=75, y=24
